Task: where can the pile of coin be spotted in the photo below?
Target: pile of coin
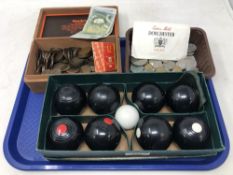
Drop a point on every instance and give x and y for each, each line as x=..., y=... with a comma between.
x=149, y=65
x=67, y=60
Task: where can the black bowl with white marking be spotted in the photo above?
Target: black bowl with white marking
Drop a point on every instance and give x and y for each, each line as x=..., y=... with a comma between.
x=153, y=133
x=191, y=133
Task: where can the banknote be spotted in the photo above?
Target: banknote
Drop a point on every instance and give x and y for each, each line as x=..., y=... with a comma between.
x=99, y=23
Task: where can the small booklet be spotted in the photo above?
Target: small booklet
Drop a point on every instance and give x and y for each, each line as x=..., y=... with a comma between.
x=104, y=56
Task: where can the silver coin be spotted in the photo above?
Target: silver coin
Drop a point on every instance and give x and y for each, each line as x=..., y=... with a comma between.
x=155, y=63
x=165, y=61
x=136, y=69
x=177, y=69
x=85, y=52
x=60, y=66
x=86, y=69
x=190, y=53
x=188, y=63
x=70, y=55
x=55, y=71
x=67, y=54
x=191, y=63
x=169, y=65
x=39, y=59
x=92, y=68
x=181, y=63
x=133, y=59
x=195, y=69
x=52, y=71
x=76, y=62
x=39, y=69
x=58, y=56
x=148, y=68
x=46, y=54
x=43, y=68
x=160, y=69
x=47, y=71
x=64, y=60
x=192, y=47
x=138, y=62
x=73, y=70
x=66, y=69
x=75, y=51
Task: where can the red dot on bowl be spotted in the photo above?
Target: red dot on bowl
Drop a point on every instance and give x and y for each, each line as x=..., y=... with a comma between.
x=61, y=129
x=108, y=121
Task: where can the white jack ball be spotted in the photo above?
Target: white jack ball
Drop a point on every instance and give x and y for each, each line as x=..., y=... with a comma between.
x=127, y=116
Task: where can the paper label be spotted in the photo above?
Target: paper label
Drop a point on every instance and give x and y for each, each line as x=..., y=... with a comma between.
x=162, y=41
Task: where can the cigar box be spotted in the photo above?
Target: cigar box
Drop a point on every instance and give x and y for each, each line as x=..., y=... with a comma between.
x=54, y=26
x=63, y=22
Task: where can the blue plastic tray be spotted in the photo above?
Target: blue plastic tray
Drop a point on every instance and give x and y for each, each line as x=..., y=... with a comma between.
x=21, y=136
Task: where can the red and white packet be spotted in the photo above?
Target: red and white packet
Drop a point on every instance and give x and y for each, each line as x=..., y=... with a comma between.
x=104, y=56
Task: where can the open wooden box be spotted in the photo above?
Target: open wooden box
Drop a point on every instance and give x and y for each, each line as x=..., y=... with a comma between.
x=37, y=82
x=49, y=34
x=203, y=55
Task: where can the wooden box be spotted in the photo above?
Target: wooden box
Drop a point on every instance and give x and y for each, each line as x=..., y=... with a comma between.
x=54, y=26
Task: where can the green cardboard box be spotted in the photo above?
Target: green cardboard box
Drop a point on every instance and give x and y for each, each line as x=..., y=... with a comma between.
x=128, y=148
